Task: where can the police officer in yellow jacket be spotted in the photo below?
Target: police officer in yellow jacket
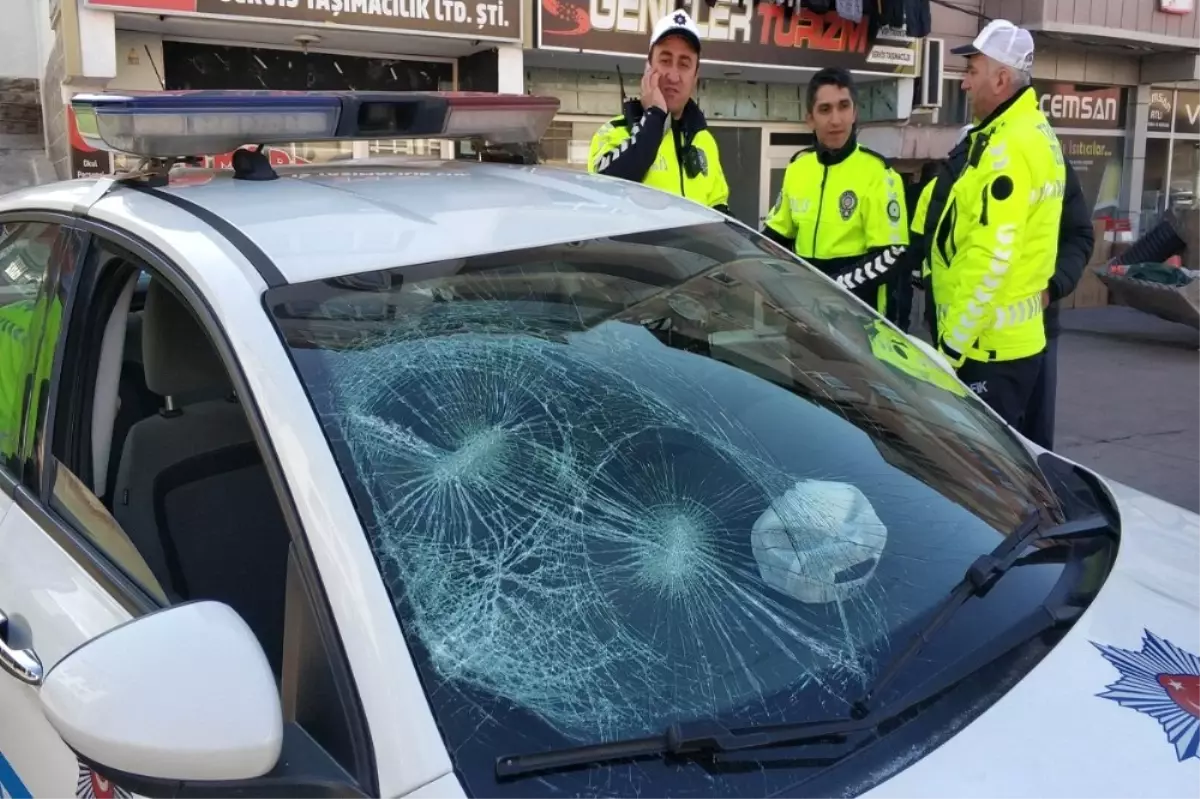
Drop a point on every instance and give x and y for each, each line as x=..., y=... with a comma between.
x=841, y=207
x=662, y=140
x=995, y=241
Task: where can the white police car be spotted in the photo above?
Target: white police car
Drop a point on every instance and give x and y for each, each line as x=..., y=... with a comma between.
x=450, y=478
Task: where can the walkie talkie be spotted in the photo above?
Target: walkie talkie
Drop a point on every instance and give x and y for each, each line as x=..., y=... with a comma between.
x=631, y=109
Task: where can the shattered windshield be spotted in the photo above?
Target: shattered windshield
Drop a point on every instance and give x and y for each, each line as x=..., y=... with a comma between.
x=617, y=483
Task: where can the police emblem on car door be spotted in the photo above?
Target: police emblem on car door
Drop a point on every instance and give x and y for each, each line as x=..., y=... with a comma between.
x=91, y=785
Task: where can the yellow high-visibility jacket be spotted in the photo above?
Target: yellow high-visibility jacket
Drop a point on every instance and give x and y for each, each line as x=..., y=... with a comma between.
x=996, y=241
x=677, y=156
x=837, y=210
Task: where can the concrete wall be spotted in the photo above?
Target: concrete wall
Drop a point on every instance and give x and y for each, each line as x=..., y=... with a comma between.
x=24, y=38
x=1084, y=65
x=1135, y=16
x=957, y=27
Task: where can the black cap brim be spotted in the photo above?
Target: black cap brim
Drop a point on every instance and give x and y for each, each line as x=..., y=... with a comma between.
x=966, y=49
x=682, y=33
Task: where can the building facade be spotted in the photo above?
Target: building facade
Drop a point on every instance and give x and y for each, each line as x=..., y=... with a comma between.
x=1142, y=56
x=1138, y=160
x=755, y=64
x=381, y=45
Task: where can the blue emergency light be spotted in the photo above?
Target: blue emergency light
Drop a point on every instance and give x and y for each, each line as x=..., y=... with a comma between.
x=197, y=123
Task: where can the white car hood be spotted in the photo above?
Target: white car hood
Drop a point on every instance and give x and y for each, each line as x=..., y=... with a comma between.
x=1113, y=709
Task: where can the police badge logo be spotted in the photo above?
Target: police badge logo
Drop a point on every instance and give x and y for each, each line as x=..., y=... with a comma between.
x=893, y=210
x=1163, y=682
x=847, y=203
x=92, y=786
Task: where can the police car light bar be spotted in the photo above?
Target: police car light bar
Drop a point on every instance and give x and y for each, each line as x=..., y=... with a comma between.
x=196, y=123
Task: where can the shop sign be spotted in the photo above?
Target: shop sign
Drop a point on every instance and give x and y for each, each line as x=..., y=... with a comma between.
x=85, y=161
x=1176, y=6
x=1167, y=105
x=1160, y=111
x=475, y=19
x=1075, y=105
x=749, y=34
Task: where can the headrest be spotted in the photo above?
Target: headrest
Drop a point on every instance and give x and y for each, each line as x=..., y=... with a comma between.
x=179, y=358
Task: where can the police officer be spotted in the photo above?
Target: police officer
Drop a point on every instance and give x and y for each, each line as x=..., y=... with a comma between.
x=841, y=207
x=995, y=241
x=662, y=140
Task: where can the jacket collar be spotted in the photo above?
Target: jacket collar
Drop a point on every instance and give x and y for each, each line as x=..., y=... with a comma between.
x=692, y=120
x=829, y=157
x=1022, y=100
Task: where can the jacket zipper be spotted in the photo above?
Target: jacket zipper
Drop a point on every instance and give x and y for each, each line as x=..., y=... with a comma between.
x=678, y=158
x=820, y=205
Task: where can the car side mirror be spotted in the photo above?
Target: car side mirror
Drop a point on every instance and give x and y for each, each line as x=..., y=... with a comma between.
x=183, y=694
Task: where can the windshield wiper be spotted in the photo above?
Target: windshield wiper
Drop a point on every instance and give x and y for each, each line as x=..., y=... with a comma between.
x=979, y=579
x=708, y=736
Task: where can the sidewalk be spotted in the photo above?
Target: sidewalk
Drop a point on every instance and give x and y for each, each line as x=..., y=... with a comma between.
x=1129, y=400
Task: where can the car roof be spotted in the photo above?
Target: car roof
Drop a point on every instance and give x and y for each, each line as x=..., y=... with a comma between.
x=341, y=218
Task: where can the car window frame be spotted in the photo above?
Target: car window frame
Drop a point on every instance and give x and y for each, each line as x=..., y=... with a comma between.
x=33, y=490
x=10, y=482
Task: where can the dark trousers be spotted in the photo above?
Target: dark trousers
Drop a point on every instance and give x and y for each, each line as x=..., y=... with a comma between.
x=1038, y=425
x=1004, y=385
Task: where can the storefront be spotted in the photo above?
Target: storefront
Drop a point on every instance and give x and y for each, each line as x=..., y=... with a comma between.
x=754, y=68
x=1090, y=122
x=297, y=45
x=1172, y=171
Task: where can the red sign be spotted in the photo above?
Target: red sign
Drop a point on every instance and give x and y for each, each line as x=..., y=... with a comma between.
x=751, y=34
x=86, y=161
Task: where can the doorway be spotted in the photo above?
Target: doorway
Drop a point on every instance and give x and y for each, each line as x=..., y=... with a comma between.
x=781, y=147
x=741, y=153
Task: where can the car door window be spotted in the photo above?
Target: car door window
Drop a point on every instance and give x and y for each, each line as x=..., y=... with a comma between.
x=154, y=465
x=26, y=251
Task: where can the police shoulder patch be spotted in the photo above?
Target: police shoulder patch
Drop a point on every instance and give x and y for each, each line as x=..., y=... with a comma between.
x=893, y=210
x=1002, y=188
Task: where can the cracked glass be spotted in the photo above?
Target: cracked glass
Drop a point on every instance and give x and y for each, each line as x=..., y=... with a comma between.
x=618, y=483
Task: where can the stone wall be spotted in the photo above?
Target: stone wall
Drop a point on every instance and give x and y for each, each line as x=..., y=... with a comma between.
x=22, y=146
x=58, y=147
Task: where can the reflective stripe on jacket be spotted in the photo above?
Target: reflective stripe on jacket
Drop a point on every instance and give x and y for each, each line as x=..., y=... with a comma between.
x=836, y=208
x=995, y=243
x=676, y=156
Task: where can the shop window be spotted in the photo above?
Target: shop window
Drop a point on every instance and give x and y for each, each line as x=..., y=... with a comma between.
x=566, y=144
x=956, y=106
x=1099, y=162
